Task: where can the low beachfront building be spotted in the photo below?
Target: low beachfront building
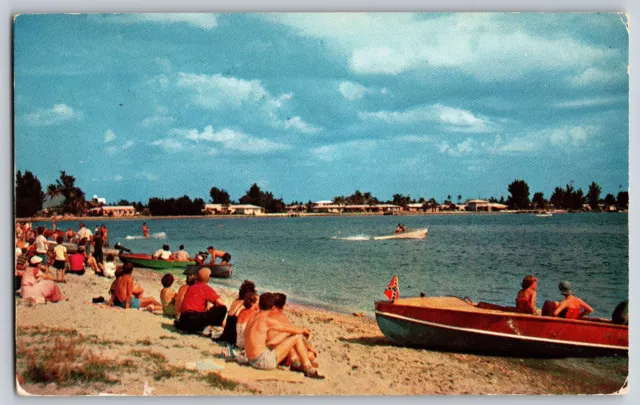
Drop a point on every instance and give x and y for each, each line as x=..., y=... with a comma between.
x=230, y=209
x=484, y=205
x=113, y=211
x=329, y=207
x=247, y=209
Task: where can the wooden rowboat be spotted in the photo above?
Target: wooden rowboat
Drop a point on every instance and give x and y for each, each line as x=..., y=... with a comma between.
x=146, y=261
x=417, y=234
x=453, y=324
x=217, y=270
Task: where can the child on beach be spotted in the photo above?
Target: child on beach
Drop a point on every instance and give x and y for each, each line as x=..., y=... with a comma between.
x=190, y=280
x=168, y=297
x=60, y=260
x=250, y=307
x=526, y=300
x=126, y=293
x=109, y=270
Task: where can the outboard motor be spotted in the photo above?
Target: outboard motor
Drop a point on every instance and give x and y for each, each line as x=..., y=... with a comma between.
x=121, y=248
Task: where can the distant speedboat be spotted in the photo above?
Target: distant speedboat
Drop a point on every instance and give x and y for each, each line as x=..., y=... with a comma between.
x=544, y=215
x=417, y=234
x=454, y=324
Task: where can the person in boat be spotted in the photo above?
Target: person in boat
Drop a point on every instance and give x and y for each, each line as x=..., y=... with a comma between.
x=194, y=315
x=200, y=258
x=526, y=299
x=249, y=309
x=274, y=338
x=571, y=307
x=224, y=256
x=168, y=296
x=38, y=286
x=229, y=334
x=60, y=260
x=145, y=230
x=69, y=235
x=190, y=280
x=163, y=254
x=255, y=340
x=182, y=255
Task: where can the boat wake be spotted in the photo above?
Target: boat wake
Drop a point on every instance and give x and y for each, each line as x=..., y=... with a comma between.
x=353, y=237
x=157, y=235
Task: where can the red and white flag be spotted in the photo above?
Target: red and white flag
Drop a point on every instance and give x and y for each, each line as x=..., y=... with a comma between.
x=392, y=292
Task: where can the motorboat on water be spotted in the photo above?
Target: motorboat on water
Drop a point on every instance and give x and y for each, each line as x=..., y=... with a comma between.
x=417, y=234
x=456, y=324
x=544, y=215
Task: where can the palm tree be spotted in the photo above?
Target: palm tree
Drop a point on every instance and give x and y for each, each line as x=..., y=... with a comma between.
x=74, y=201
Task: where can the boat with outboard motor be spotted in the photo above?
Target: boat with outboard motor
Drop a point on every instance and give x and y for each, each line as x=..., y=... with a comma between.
x=456, y=324
x=417, y=234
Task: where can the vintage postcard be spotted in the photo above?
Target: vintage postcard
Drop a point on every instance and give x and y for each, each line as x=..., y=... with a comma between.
x=321, y=203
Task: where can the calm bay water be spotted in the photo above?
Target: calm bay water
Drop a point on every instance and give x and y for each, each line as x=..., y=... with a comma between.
x=325, y=261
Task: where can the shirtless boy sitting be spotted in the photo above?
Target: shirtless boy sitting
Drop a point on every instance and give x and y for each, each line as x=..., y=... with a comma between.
x=274, y=337
x=255, y=340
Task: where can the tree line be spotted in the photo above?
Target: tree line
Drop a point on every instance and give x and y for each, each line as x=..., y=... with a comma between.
x=29, y=199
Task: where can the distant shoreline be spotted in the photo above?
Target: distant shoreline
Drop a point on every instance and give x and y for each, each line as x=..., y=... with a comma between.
x=283, y=215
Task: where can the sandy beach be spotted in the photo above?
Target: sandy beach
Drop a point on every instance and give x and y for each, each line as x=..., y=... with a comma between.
x=100, y=350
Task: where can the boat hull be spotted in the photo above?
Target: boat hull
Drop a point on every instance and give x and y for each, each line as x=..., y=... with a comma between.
x=417, y=234
x=146, y=261
x=498, y=332
x=217, y=270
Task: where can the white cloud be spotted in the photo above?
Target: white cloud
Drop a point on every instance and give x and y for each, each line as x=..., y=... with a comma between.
x=216, y=91
x=453, y=119
x=169, y=145
x=111, y=149
x=392, y=43
x=128, y=145
x=352, y=91
x=346, y=150
x=231, y=140
x=567, y=137
x=595, y=76
x=300, y=125
x=147, y=176
x=157, y=120
x=55, y=115
x=198, y=20
x=161, y=81
x=109, y=136
x=587, y=102
x=463, y=148
x=118, y=177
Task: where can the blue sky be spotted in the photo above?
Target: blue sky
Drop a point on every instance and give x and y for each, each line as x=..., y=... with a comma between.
x=311, y=106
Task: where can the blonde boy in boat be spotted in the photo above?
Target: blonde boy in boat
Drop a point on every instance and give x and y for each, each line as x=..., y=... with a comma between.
x=255, y=340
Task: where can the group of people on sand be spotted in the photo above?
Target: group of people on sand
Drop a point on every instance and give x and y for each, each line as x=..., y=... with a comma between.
x=202, y=258
x=52, y=252
x=571, y=307
x=255, y=324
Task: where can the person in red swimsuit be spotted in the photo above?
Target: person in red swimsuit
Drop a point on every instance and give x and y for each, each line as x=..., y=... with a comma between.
x=145, y=230
x=571, y=307
x=526, y=300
